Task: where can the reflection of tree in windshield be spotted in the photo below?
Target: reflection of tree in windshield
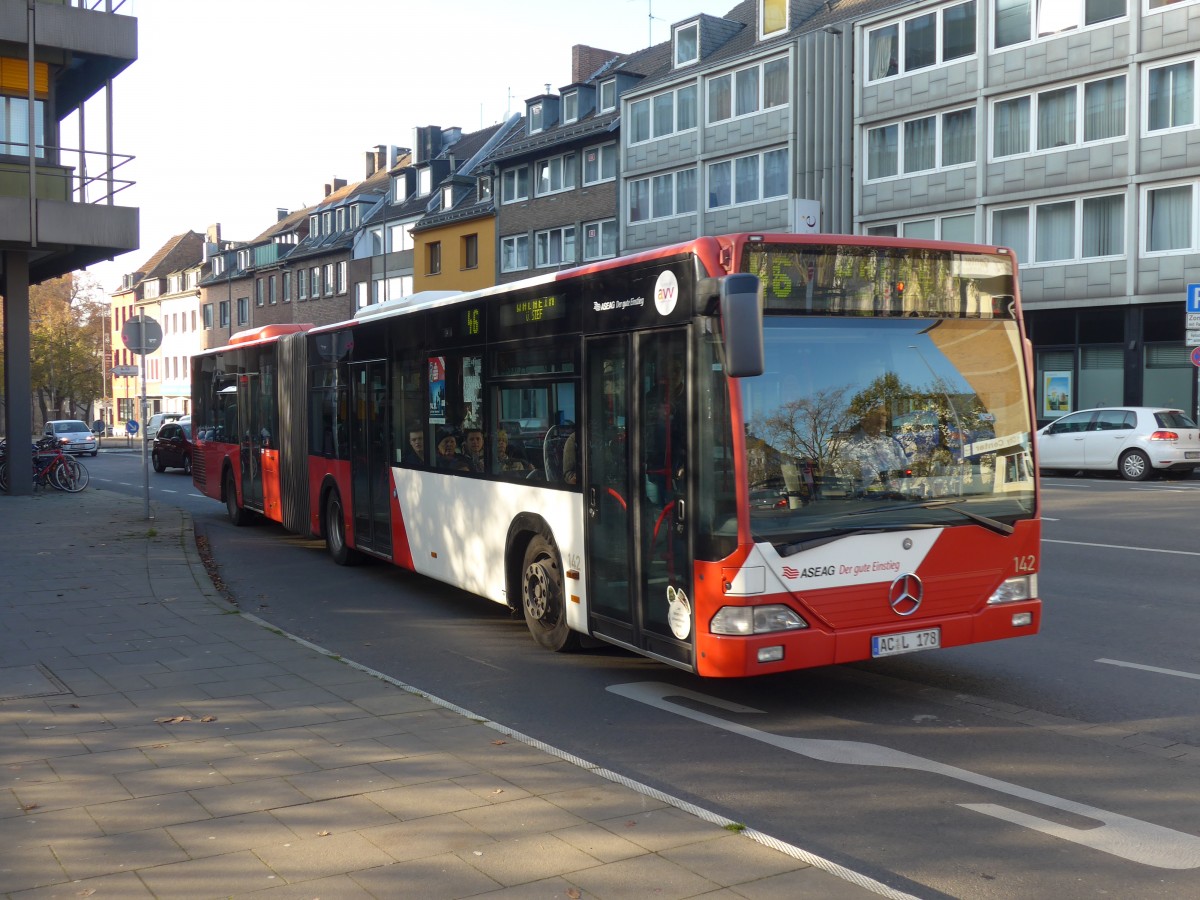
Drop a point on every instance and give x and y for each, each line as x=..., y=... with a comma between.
x=833, y=443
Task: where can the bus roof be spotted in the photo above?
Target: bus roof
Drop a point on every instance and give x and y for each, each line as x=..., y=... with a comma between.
x=267, y=333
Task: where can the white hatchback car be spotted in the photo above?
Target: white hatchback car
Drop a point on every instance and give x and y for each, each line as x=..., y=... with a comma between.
x=1133, y=440
x=72, y=435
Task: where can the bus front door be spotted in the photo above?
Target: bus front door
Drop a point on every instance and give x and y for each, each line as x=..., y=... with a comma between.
x=637, y=495
x=370, y=458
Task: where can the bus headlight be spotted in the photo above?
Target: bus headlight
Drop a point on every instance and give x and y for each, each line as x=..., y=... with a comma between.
x=755, y=620
x=1023, y=587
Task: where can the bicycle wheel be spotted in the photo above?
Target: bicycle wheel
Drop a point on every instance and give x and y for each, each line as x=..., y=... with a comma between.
x=72, y=475
x=4, y=475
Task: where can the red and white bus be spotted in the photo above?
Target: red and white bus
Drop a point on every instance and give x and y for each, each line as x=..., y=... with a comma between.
x=739, y=455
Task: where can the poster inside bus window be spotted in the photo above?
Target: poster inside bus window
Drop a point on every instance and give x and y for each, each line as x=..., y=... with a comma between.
x=437, y=390
x=1056, y=394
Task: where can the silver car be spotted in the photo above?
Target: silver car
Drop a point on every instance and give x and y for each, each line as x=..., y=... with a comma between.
x=1133, y=440
x=72, y=435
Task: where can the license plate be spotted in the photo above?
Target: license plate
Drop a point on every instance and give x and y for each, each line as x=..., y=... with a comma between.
x=1191, y=454
x=906, y=642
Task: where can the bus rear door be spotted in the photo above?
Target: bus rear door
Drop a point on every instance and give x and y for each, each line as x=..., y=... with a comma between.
x=370, y=457
x=636, y=489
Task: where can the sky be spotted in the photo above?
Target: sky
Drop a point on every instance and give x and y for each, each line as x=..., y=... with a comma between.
x=237, y=108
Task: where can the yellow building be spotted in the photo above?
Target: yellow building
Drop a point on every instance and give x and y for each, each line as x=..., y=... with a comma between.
x=454, y=249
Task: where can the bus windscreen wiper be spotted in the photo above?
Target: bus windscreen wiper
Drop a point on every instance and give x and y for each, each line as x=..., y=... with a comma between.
x=836, y=534
x=987, y=522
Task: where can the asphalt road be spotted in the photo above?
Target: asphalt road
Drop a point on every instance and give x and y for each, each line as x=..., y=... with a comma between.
x=1065, y=765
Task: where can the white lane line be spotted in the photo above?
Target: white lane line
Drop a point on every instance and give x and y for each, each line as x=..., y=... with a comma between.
x=1129, y=665
x=1123, y=547
x=1117, y=835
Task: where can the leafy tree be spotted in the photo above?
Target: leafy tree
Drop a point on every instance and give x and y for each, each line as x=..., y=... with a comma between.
x=67, y=323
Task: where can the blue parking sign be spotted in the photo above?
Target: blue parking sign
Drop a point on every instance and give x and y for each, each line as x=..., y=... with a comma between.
x=1193, y=298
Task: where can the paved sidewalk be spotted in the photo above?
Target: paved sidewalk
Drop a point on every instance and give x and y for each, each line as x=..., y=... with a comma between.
x=156, y=743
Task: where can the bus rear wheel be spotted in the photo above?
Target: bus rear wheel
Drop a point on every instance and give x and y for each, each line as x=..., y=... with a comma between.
x=238, y=515
x=335, y=532
x=542, y=597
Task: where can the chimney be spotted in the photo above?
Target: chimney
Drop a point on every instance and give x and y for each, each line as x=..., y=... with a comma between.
x=376, y=159
x=281, y=214
x=336, y=185
x=213, y=234
x=587, y=61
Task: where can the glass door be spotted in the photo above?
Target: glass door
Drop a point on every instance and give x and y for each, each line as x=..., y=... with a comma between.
x=370, y=457
x=252, y=428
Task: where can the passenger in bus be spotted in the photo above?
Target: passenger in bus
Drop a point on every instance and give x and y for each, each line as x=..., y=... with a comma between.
x=510, y=457
x=570, y=460
x=448, y=456
x=414, y=451
x=473, y=449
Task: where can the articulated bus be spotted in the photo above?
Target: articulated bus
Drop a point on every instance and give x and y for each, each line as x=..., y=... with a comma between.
x=739, y=455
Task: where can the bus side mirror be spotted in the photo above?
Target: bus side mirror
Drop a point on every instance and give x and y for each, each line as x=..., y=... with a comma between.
x=742, y=325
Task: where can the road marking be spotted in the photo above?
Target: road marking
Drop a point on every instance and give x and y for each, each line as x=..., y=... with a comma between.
x=1117, y=835
x=1123, y=547
x=1129, y=665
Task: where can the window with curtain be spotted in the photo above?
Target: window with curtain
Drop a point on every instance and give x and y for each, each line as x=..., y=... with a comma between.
x=958, y=31
x=882, y=156
x=1104, y=109
x=1056, y=118
x=1171, y=99
x=959, y=228
x=1010, y=127
x=920, y=144
x=920, y=41
x=958, y=137
x=1055, y=230
x=883, y=50
x=775, y=83
x=639, y=121
x=1169, y=218
x=685, y=108
x=664, y=114
x=1104, y=226
x=639, y=200
x=14, y=126
x=720, y=98
x=1013, y=20
x=775, y=173
x=745, y=92
x=745, y=179
x=720, y=184
x=1010, y=228
x=663, y=196
x=685, y=191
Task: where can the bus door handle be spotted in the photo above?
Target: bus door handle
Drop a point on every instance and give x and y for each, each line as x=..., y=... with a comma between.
x=593, y=504
x=680, y=515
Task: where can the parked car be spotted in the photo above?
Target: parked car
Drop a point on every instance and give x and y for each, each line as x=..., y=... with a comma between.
x=157, y=420
x=1136, y=441
x=173, y=447
x=72, y=435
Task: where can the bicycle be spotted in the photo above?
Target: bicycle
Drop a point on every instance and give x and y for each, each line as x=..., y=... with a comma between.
x=51, y=466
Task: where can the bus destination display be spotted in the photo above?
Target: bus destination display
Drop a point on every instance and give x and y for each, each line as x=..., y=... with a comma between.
x=531, y=310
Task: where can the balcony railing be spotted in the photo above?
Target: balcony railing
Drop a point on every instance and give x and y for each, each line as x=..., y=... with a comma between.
x=63, y=173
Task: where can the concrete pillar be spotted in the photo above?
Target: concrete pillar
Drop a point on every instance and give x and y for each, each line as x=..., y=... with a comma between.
x=17, y=381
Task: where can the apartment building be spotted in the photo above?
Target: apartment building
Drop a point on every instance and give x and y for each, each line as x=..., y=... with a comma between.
x=59, y=206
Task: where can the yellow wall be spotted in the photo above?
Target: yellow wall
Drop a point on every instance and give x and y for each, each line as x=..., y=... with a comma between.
x=454, y=277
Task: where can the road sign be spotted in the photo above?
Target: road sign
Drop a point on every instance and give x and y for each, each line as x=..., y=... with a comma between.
x=141, y=335
x=1191, y=337
x=131, y=427
x=126, y=371
x=1196, y=356
x=1193, y=298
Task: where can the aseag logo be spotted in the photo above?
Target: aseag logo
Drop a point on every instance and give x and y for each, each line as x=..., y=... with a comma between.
x=666, y=293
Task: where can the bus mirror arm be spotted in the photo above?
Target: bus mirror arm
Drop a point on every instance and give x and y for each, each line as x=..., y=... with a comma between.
x=742, y=324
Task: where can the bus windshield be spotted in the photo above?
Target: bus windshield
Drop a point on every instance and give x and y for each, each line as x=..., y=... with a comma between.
x=878, y=423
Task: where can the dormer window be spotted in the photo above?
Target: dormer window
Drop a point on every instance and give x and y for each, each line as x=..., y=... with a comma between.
x=687, y=44
x=218, y=265
x=327, y=222
x=608, y=95
x=424, y=181
x=536, y=119
x=341, y=218
x=772, y=18
x=243, y=259
x=399, y=189
x=447, y=197
x=314, y=226
x=571, y=106
x=485, y=188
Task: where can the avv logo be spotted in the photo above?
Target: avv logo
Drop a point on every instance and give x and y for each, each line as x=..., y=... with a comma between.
x=666, y=293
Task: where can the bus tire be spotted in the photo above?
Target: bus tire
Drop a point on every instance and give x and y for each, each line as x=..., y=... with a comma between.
x=238, y=515
x=335, y=532
x=543, y=598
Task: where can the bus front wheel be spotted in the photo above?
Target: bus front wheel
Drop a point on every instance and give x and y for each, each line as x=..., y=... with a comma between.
x=335, y=532
x=542, y=597
x=238, y=515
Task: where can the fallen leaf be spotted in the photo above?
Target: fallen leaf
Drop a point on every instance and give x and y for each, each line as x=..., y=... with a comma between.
x=29, y=807
x=209, y=719
x=631, y=824
x=173, y=720
x=86, y=893
x=573, y=893
x=324, y=833
x=498, y=743
x=498, y=791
